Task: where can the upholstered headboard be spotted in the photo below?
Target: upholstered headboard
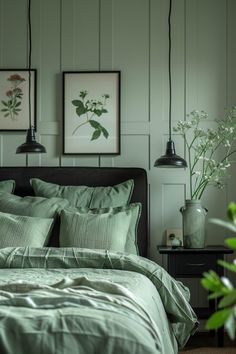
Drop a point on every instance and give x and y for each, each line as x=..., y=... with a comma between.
x=90, y=176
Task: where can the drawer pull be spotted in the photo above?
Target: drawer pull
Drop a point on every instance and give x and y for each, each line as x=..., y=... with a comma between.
x=196, y=264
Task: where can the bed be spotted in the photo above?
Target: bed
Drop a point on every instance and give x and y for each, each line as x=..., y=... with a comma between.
x=65, y=296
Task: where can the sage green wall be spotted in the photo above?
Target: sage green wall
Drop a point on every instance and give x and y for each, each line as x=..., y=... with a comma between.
x=131, y=36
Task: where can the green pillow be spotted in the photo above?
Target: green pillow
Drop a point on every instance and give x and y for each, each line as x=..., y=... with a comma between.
x=7, y=186
x=88, y=197
x=31, y=206
x=131, y=245
x=95, y=229
x=22, y=231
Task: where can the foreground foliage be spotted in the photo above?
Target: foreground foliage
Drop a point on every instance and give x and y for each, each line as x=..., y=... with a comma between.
x=221, y=288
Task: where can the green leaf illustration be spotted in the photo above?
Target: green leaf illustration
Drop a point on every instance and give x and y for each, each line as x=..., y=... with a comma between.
x=90, y=108
x=76, y=102
x=4, y=103
x=96, y=134
x=99, y=112
x=104, y=132
x=94, y=124
x=80, y=110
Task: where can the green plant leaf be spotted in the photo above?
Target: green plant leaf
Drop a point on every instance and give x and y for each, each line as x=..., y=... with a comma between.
x=94, y=124
x=217, y=294
x=231, y=242
x=231, y=212
x=4, y=110
x=230, y=325
x=104, y=132
x=218, y=318
x=80, y=109
x=228, y=299
x=96, y=134
x=211, y=279
x=227, y=265
x=76, y=103
x=226, y=224
x=18, y=104
x=98, y=112
x=4, y=103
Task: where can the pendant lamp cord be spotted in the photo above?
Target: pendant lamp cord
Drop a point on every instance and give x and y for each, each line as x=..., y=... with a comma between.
x=169, y=69
x=29, y=58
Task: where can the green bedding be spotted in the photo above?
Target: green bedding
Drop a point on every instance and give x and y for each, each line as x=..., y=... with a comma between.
x=72, y=300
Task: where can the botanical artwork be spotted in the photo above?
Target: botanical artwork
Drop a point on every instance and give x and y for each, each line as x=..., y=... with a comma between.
x=91, y=122
x=14, y=99
x=11, y=104
x=90, y=111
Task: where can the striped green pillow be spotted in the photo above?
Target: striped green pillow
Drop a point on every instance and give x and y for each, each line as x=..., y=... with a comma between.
x=7, y=186
x=84, y=196
x=95, y=229
x=22, y=231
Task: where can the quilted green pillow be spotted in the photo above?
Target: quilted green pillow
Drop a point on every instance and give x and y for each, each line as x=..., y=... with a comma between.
x=88, y=197
x=95, y=229
x=22, y=231
x=7, y=186
x=104, y=228
x=31, y=206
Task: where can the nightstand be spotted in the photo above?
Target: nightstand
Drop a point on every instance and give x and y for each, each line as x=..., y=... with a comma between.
x=191, y=263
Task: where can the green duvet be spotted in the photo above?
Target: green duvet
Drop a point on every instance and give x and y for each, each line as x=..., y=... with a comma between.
x=72, y=300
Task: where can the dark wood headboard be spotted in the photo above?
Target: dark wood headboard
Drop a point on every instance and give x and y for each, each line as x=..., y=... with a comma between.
x=89, y=176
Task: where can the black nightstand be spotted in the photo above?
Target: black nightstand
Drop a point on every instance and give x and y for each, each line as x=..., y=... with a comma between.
x=191, y=263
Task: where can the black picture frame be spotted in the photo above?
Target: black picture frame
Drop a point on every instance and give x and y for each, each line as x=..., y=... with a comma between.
x=91, y=112
x=14, y=99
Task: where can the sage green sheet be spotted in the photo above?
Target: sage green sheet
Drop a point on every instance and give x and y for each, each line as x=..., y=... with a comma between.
x=76, y=300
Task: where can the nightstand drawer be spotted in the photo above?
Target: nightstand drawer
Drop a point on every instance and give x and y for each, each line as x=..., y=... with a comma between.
x=191, y=264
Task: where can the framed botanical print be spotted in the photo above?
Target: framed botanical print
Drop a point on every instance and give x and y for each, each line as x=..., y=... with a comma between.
x=91, y=112
x=14, y=99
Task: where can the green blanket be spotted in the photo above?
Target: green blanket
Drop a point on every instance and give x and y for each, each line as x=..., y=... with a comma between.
x=88, y=301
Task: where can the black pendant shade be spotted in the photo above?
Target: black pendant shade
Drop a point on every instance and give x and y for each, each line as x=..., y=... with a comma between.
x=30, y=145
x=170, y=159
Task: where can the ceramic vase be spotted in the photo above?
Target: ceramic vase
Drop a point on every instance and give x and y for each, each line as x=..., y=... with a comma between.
x=193, y=215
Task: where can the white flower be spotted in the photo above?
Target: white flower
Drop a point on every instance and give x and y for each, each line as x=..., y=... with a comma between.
x=227, y=283
x=227, y=143
x=207, y=149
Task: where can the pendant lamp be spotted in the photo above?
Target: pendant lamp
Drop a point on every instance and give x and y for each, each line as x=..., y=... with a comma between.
x=170, y=159
x=30, y=145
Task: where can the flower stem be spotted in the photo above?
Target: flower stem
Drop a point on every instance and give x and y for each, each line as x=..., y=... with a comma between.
x=80, y=125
